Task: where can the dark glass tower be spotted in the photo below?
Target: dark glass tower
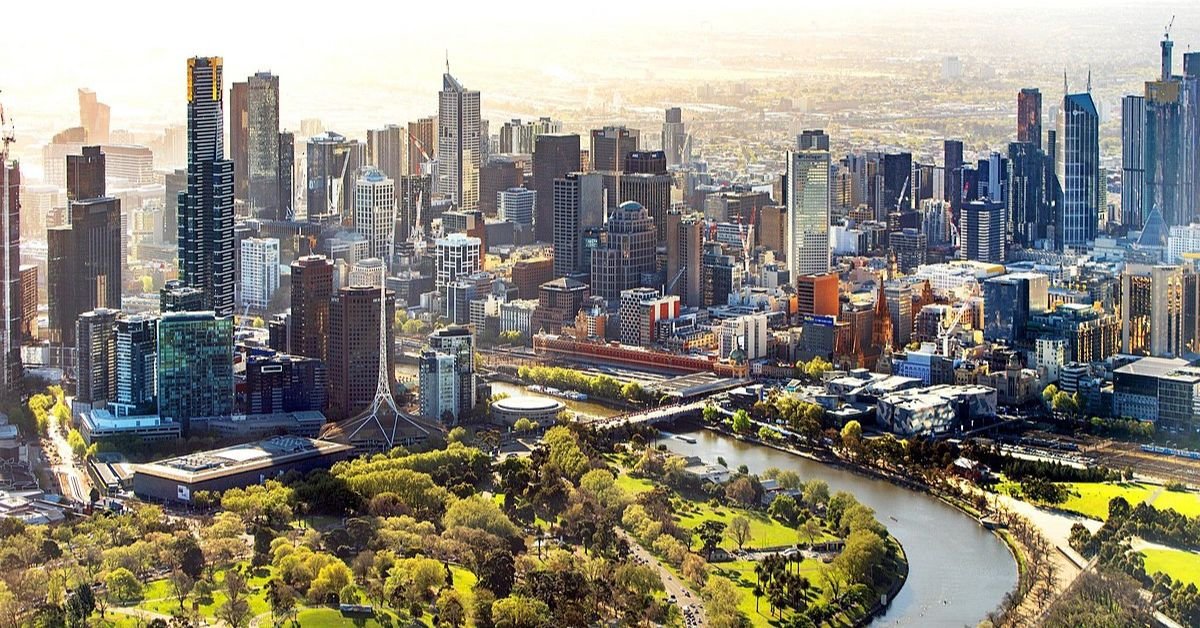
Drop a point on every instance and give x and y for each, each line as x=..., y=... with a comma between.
x=1077, y=167
x=206, y=256
x=1029, y=117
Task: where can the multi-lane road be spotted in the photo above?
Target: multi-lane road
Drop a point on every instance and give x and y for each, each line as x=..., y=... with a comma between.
x=72, y=478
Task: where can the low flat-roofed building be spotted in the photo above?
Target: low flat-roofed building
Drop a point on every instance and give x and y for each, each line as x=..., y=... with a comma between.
x=307, y=423
x=1163, y=390
x=178, y=479
x=936, y=410
x=714, y=473
x=540, y=410
x=100, y=424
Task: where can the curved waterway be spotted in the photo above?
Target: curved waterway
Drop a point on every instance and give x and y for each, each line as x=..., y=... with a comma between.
x=958, y=571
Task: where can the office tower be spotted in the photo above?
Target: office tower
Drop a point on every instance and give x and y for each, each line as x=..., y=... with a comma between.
x=312, y=289
x=239, y=138
x=611, y=145
x=720, y=275
x=455, y=255
x=333, y=163
x=177, y=297
x=459, y=139
x=646, y=162
x=386, y=150
x=438, y=385
x=625, y=252
x=137, y=365
x=981, y=232
x=554, y=155
x=284, y=383
x=175, y=183
x=685, y=239
x=1170, y=162
x=900, y=310
x=85, y=174
x=500, y=173
x=84, y=264
x=286, y=190
x=354, y=347
x=516, y=205
x=518, y=137
x=645, y=181
x=262, y=146
x=1133, y=160
x=953, y=164
x=910, y=246
x=458, y=342
x=260, y=271
x=28, y=282
x=375, y=211
x=94, y=117
x=1027, y=213
x=817, y=294
x=1008, y=303
x=413, y=195
x=206, y=254
x=1077, y=167
x=640, y=310
x=897, y=185
x=808, y=206
x=195, y=366
x=578, y=204
x=422, y=147
x=1029, y=117
x=96, y=352
x=1152, y=307
x=675, y=142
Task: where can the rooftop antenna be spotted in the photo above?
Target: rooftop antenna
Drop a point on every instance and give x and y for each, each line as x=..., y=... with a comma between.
x=1065, y=90
x=1089, y=83
x=447, y=61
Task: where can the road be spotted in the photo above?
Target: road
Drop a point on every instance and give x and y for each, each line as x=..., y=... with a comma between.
x=71, y=476
x=689, y=603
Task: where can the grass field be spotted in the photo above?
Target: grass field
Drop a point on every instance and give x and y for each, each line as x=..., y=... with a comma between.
x=331, y=618
x=633, y=485
x=1090, y=499
x=764, y=531
x=741, y=573
x=1187, y=504
x=1180, y=565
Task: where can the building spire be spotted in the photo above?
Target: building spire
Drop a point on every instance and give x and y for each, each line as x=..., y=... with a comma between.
x=1065, y=89
x=1089, y=83
x=447, y=61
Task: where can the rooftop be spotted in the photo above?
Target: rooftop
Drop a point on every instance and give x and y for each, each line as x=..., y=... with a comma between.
x=528, y=404
x=261, y=454
x=1152, y=367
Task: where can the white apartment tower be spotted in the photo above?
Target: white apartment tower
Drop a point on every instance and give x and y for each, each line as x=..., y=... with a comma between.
x=808, y=205
x=260, y=271
x=375, y=210
x=458, y=153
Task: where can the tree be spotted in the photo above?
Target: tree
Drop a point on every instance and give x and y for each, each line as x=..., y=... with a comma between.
x=330, y=580
x=741, y=422
x=784, y=508
x=863, y=552
x=695, y=570
x=816, y=493
x=282, y=599
x=480, y=514
x=451, y=609
x=181, y=585
x=739, y=530
x=123, y=587
x=517, y=611
x=817, y=367
x=711, y=414
x=76, y=442
x=710, y=533
x=564, y=451
x=80, y=605
x=809, y=531
x=741, y=491
x=1048, y=393
x=10, y=609
x=721, y=599
x=1066, y=402
x=235, y=610
x=524, y=424
x=852, y=437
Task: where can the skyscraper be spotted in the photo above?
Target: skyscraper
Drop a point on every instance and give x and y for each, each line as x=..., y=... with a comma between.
x=10, y=269
x=287, y=161
x=387, y=149
x=333, y=163
x=578, y=204
x=262, y=145
x=626, y=251
x=1171, y=141
x=85, y=174
x=97, y=357
x=1027, y=212
x=808, y=206
x=1029, y=116
x=206, y=255
x=456, y=255
x=354, y=347
x=1133, y=161
x=421, y=145
x=516, y=205
x=645, y=181
x=195, y=366
x=93, y=117
x=554, y=155
x=611, y=145
x=457, y=341
x=518, y=137
x=981, y=232
x=1077, y=167
x=312, y=289
x=239, y=138
x=375, y=211
x=459, y=154
x=137, y=365
x=685, y=238
x=675, y=138
x=260, y=271
x=1152, y=299
x=953, y=160
x=897, y=185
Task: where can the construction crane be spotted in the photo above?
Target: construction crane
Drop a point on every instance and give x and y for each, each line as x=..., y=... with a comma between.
x=1167, y=31
x=667, y=288
x=903, y=190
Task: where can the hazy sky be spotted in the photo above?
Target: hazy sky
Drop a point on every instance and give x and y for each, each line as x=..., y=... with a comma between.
x=389, y=55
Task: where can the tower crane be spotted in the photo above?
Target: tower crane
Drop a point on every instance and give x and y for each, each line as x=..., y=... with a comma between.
x=1167, y=31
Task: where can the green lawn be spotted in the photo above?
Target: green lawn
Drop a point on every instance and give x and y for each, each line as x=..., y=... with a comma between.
x=764, y=531
x=1090, y=499
x=1180, y=565
x=1187, y=504
x=633, y=485
x=741, y=573
x=331, y=618
x=158, y=596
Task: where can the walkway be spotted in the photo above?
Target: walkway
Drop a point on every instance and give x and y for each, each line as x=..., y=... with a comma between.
x=682, y=594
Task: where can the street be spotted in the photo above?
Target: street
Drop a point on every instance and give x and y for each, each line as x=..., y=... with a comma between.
x=72, y=478
x=689, y=603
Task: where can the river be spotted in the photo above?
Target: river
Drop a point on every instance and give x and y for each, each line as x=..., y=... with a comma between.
x=958, y=572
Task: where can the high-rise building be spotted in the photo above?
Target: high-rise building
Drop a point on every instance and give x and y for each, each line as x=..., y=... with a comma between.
x=333, y=163
x=817, y=294
x=611, y=145
x=1027, y=212
x=1008, y=303
x=195, y=366
x=262, y=145
x=96, y=382
x=720, y=275
x=456, y=255
x=516, y=205
x=375, y=211
x=554, y=155
x=206, y=254
x=459, y=156
x=685, y=240
x=312, y=289
x=177, y=297
x=287, y=162
x=1077, y=167
x=137, y=365
x=284, y=383
x=260, y=271
x=85, y=174
x=1152, y=308
x=808, y=206
x=900, y=309
x=387, y=150
x=28, y=280
x=625, y=252
x=422, y=145
x=953, y=165
x=1029, y=117
x=1133, y=161
x=910, y=246
x=981, y=232
x=458, y=341
x=646, y=182
x=239, y=133
x=10, y=273
x=84, y=264
x=438, y=385
x=413, y=194
x=559, y=300
x=675, y=142
x=94, y=117
x=897, y=185
x=640, y=310
x=354, y=347
x=519, y=137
